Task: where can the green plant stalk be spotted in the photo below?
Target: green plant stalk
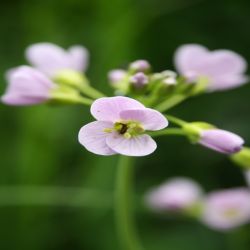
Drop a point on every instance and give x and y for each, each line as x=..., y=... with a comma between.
x=90, y=91
x=171, y=102
x=176, y=120
x=123, y=210
x=168, y=131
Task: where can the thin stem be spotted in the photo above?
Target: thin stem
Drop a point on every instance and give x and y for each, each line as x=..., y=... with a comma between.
x=176, y=120
x=53, y=196
x=171, y=102
x=91, y=92
x=168, y=131
x=123, y=210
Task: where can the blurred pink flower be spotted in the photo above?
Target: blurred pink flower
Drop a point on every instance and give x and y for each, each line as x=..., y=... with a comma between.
x=51, y=59
x=140, y=66
x=226, y=209
x=224, y=69
x=174, y=195
x=221, y=140
x=120, y=127
x=27, y=86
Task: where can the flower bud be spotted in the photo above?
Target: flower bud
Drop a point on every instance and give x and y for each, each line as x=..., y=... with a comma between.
x=139, y=80
x=139, y=66
x=221, y=141
x=116, y=75
x=175, y=195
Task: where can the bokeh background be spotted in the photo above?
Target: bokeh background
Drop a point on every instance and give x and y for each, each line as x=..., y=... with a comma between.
x=71, y=189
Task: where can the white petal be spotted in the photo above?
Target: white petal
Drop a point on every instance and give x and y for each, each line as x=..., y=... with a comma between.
x=93, y=137
x=109, y=108
x=135, y=146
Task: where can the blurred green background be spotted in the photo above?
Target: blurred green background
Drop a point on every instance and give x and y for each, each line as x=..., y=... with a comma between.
x=39, y=144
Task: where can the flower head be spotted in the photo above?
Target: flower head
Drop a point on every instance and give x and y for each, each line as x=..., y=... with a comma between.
x=120, y=127
x=51, y=59
x=27, y=86
x=224, y=69
x=174, y=195
x=227, y=209
x=221, y=140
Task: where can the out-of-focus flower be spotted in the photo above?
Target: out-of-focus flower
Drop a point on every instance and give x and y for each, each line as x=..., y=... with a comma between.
x=139, y=80
x=223, y=69
x=227, y=209
x=139, y=66
x=117, y=75
x=27, y=86
x=52, y=59
x=221, y=141
x=120, y=127
x=174, y=195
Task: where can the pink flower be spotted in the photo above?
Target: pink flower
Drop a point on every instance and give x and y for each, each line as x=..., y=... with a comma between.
x=27, y=86
x=221, y=141
x=51, y=59
x=140, y=66
x=227, y=209
x=224, y=69
x=176, y=194
x=120, y=127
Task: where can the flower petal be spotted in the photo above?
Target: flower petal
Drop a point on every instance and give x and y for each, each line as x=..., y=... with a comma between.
x=93, y=137
x=109, y=108
x=27, y=86
x=79, y=57
x=47, y=57
x=149, y=118
x=135, y=146
x=188, y=57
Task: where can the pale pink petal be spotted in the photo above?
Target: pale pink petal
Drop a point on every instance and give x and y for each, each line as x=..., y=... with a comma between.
x=149, y=118
x=135, y=146
x=93, y=137
x=109, y=108
x=188, y=57
x=47, y=57
x=79, y=57
x=27, y=86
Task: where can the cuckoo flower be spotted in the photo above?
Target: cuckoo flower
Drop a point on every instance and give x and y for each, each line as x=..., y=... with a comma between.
x=221, y=140
x=223, y=69
x=51, y=59
x=227, y=209
x=27, y=86
x=120, y=127
x=174, y=195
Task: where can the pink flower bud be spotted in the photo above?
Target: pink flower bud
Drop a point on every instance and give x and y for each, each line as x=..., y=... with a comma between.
x=140, y=66
x=139, y=80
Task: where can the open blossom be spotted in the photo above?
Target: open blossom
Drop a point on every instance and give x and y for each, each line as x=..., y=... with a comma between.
x=221, y=141
x=51, y=59
x=227, y=209
x=174, y=195
x=27, y=86
x=224, y=69
x=120, y=127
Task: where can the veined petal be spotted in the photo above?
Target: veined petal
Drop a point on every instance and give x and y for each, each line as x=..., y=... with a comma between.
x=93, y=137
x=149, y=118
x=135, y=146
x=109, y=108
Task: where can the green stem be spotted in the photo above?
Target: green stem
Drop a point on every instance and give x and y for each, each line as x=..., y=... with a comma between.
x=171, y=102
x=168, y=131
x=123, y=210
x=176, y=120
x=91, y=92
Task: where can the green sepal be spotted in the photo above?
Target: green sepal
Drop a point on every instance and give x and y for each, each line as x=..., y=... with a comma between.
x=242, y=158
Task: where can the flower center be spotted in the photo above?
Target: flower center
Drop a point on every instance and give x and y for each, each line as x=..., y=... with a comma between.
x=127, y=129
x=231, y=213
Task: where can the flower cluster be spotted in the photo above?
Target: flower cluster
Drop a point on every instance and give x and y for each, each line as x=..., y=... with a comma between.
x=127, y=122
